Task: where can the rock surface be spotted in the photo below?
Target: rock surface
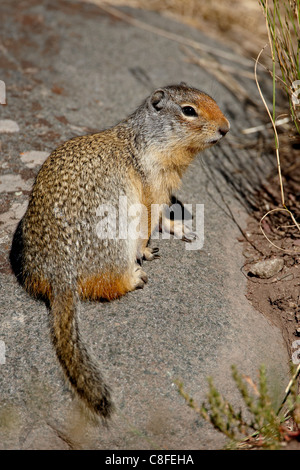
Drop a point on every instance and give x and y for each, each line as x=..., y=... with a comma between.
x=70, y=68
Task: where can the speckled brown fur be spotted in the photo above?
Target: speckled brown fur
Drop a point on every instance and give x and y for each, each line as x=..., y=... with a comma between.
x=63, y=259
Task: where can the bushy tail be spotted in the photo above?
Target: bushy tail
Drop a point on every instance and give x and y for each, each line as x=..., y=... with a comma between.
x=79, y=368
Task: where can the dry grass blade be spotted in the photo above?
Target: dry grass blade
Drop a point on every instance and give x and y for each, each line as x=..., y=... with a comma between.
x=278, y=209
x=279, y=122
x=273, y=125
x=283, y=27
x=284, y=208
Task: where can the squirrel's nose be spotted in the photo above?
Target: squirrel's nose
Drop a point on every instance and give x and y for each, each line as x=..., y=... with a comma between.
x=224, y=128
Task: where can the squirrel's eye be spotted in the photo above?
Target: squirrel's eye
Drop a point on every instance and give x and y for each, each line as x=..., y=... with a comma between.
x=189, y=111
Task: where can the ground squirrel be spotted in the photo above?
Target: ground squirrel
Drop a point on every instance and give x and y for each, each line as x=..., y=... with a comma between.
x=57, y=253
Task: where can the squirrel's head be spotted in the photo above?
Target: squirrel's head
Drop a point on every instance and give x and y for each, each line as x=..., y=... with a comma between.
x=185, y=116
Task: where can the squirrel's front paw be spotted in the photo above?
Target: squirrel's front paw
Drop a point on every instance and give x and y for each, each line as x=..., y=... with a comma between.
x=187, y=235
x=151, y=253
x=148, y=254
x=182, y=231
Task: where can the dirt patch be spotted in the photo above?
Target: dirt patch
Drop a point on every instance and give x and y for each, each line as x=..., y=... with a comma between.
x=277, y=297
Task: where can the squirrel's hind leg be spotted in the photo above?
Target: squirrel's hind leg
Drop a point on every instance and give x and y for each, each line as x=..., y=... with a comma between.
x=111, y=286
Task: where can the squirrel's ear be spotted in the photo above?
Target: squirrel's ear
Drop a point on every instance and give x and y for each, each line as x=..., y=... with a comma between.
x=158, y=99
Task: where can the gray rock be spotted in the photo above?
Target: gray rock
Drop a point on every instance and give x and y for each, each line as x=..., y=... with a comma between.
x=267, y=268
x=70, y=68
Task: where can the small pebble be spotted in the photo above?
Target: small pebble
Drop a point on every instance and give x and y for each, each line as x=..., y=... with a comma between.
x=267, y=268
